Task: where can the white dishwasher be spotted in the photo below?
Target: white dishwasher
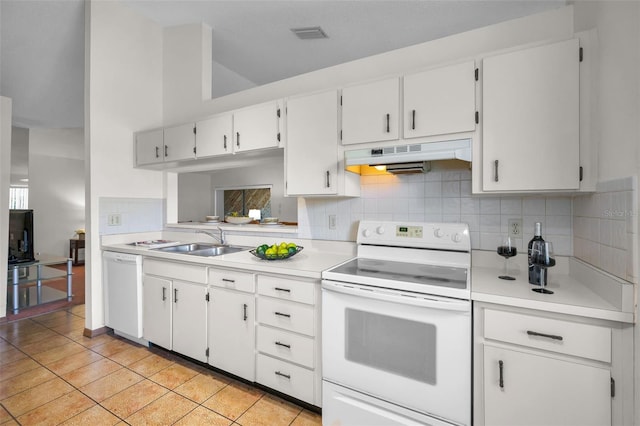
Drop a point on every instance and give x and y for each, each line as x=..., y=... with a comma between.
x=122, y=279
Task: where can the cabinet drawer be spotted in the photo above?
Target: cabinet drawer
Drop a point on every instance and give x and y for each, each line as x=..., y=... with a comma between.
x=179, y=271
x=241, y=281
x=288, y=315
x=283, y=288
x=583, y=340
x=283, y=344
x=284, y=377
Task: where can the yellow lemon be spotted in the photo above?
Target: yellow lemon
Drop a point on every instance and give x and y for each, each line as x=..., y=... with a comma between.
x=291, y=245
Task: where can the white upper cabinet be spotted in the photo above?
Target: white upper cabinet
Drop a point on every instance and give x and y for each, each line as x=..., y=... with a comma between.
x=214, y=136
x=371, y=112
x=179, y=142
x=311, y=154
x=440, y=101
x=257, y=127
x=149, y=147
x=530, y=119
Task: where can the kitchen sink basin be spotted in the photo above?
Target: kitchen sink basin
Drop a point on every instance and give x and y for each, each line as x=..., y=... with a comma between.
x=203, y=249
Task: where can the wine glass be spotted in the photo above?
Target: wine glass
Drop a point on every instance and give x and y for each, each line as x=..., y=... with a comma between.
x=542, y=256
x=507, y=250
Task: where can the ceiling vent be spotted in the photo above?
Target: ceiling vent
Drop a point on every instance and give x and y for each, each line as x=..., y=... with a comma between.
x=309, y=33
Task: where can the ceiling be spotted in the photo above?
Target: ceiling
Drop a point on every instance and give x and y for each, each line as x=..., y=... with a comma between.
x=42, y=41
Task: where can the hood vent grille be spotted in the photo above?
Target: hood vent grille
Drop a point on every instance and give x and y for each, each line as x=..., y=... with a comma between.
x=409, y=168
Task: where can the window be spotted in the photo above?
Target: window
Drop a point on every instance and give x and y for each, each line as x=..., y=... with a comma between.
x=254, y=202
x=18, y=197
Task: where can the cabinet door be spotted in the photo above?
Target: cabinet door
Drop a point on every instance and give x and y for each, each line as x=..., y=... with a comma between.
x=440, y=101
x=371, y=112
x=232, y=332
x=149, y=147
x=213, y=136
x=257, y=127
x=179, y=142
x=312, y=144
x=530, y=119
x=156, y=312
x=190, y=320
x=538, y=390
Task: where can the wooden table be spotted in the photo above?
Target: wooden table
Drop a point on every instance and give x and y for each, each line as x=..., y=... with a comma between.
x=75, y=244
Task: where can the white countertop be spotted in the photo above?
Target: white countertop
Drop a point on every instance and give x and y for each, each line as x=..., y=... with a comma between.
x=310, y=262
x=570, y=296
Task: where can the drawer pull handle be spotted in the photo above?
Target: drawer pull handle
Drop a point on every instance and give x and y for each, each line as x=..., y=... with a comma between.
x=283, y=345
x=286, y=376
x=227, y=280
x=286, y=290
x=244, y=308
x=501, y=365
x=548, y=336
x=282, y=315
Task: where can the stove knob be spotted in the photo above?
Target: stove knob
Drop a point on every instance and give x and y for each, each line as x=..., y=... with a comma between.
x=456, y=238
x=366, y=232
x=438, y=233
x=380, y=230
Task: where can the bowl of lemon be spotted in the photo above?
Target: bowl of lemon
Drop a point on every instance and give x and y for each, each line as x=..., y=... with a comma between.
x=280, y=251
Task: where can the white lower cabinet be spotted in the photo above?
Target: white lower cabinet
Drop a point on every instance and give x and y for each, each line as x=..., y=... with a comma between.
x=288, y=332
x=232, y=332
x=175, y=311
x=534, y=369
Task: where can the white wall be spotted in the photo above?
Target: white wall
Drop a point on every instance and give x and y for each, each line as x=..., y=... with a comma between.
x=56, y=187
x=226, y=81
x=195, y=197
x=123, y=94
x=19, y=156
x=5, y=173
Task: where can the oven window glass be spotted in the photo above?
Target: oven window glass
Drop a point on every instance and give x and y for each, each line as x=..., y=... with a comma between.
x=395, y=345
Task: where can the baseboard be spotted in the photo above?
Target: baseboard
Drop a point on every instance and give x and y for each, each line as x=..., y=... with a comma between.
x=94, y=333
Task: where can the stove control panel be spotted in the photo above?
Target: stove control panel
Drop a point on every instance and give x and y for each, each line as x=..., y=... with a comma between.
x=446, y=236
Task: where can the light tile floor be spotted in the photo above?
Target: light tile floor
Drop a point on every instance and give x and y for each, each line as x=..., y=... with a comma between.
x=51, y=374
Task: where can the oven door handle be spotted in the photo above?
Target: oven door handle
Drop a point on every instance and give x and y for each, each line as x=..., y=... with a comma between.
x=425, y=301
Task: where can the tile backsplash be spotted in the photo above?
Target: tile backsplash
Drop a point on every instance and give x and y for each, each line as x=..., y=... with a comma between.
x=439, y=196
x=605, y=230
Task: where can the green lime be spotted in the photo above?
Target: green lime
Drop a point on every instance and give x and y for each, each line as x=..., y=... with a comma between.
x=292, y=251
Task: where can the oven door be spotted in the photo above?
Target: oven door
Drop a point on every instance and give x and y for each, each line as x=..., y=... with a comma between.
x=406, y=349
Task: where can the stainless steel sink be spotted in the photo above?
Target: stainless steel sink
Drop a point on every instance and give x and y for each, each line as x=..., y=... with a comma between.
x=203, y=249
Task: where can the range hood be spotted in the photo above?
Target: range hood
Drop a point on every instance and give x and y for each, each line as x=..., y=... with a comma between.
x=397, y=157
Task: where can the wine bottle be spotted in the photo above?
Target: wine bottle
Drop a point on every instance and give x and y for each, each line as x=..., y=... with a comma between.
x=534, y=271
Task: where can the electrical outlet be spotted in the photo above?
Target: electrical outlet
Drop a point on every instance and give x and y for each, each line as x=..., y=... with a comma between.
x=332, y=221
x=114, y=219
x=515, y=228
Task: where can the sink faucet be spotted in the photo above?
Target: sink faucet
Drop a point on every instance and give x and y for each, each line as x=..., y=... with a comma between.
x=219, y=238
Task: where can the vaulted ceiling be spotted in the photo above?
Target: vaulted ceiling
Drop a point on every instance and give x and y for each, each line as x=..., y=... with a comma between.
x=42, y=41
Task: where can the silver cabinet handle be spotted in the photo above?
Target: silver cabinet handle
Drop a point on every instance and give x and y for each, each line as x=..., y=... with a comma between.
x=286, y=376
x=175, y=295
x=495, y=166
x=164, y=294
x=548, y=336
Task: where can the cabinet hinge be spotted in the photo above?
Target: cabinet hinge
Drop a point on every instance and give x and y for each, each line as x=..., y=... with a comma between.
x=194, y=149
x=477, y=73
x=340, y=134
x=194, y=130
x=278, y=136
x=278, y=113
x=340, y=100
x=581, y=173
x=206, y=297
x=206, y=353
x=477, y=117
x=613, y=388
x=581, y=54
